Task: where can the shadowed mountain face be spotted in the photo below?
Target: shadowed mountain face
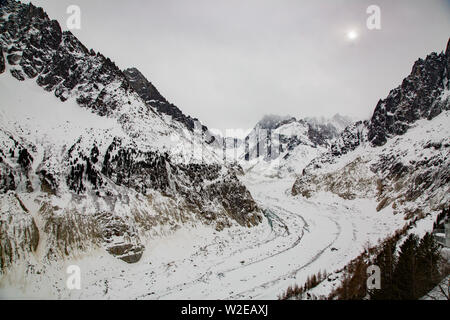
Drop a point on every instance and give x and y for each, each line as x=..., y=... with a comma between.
x=94, y=162
x=142, y=86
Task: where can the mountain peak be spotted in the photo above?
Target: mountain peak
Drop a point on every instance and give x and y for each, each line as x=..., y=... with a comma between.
x=142, y=86
x=272, y=121
x=418, y=97
x=151, y=96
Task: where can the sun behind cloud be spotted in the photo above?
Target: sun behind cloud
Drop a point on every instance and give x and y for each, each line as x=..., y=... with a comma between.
x=352, y=35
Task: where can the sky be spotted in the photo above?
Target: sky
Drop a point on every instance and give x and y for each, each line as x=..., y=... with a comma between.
x=229, y=62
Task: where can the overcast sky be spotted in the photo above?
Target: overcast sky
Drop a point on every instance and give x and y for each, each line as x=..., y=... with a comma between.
x=229, y=62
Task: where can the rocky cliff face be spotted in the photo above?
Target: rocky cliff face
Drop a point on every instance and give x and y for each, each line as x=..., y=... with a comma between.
x=90, y=156
x=37, y=48
x=2, y=60
x=400, y=155
x=418, y=97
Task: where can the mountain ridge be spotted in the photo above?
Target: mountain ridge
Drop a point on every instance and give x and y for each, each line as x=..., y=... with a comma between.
x=94, y=154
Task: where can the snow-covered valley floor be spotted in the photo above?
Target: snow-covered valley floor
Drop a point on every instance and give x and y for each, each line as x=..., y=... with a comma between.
x=297, y=238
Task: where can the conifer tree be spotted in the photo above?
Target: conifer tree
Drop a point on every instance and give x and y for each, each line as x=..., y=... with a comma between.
x=386, y=260
x=428, y=257
x=406, y=271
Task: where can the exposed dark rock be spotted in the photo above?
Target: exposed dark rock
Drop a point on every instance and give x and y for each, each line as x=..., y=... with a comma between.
x=120, y=239
x=7, y=180
x=18, y=74
x=151, y=170
x=418, y=97
x=2, y=61
x=142, y=86
x=13, y=176
x=263, y=141
x=152, y=97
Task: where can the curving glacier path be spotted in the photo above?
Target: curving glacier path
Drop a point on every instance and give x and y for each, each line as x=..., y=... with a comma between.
x=297, y=238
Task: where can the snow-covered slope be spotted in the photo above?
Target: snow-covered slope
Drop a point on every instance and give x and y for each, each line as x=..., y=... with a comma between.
x=85, y=162
x=282, y=146
x=337, y=122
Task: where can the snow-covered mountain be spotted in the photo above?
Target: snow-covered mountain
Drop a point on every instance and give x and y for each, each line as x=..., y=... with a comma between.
x=89, y=160
x=336, y=123
x=95, y=165
x=284, y=145
x=401, y=155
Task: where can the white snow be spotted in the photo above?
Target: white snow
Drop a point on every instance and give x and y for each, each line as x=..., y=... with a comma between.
x=238, y=263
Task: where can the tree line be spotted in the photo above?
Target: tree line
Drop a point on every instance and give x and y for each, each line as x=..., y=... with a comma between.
x=410, y=268
x=408, y=273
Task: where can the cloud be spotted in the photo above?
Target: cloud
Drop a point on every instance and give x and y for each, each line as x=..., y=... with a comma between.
x=230, y=62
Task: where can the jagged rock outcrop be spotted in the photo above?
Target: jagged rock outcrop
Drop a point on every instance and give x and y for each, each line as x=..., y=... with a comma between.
x=422, y=95
x=37, y=48
x=141, y=171
x=351, y=181
x=418, y=97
